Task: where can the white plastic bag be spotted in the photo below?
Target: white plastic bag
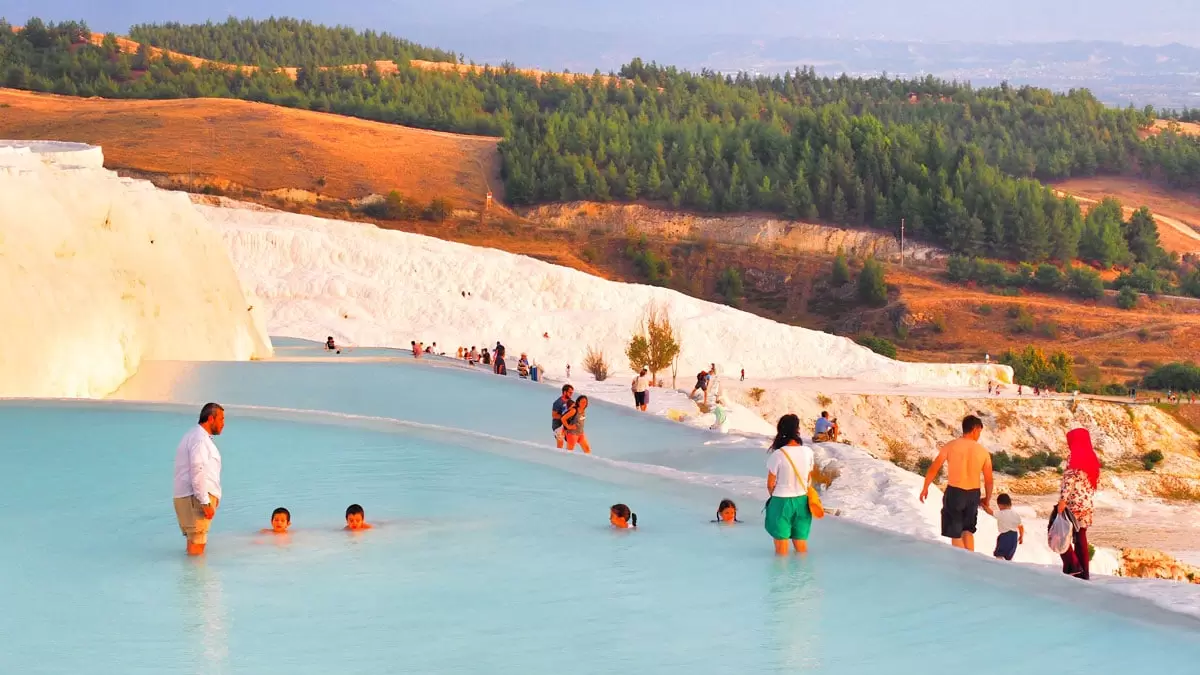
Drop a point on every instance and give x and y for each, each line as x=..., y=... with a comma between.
x=1061, y=534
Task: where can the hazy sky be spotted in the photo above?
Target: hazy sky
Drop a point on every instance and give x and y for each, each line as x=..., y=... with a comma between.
x=662, y=20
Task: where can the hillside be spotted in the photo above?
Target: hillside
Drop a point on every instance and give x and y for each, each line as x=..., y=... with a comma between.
x=960, y=165
x=228, y=144
x=248, y=150
x=1176, y=211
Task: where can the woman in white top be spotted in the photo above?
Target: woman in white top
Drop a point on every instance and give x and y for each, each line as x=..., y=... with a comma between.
x=789, y=467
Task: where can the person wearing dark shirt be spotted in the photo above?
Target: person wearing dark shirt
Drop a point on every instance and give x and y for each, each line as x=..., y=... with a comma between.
x=561, y=405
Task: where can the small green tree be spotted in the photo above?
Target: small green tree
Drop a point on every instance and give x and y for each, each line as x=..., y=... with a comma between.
x=1127, y=297
x=439, y=209
x=663, y=340
x=655, y=343
x=1085, y=282
x=729, y=285
x=638, y=351
x=872, y=284
x=1048, y=278
x=840, y=276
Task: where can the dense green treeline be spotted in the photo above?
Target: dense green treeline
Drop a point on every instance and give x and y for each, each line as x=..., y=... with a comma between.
x=282, y=42
x=1174, y=157
x=960, y=165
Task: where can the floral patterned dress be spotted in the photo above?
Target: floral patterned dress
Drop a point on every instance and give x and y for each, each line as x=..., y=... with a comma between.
x=1078, y=492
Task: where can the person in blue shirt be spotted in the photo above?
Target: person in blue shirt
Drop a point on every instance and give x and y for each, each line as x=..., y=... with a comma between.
x=561, y=405
x=826, y=429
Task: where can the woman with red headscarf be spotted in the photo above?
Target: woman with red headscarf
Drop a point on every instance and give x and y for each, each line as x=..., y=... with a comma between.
x=1079, y=483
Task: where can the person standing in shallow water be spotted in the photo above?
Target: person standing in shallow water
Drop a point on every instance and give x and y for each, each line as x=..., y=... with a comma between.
x=1079, y=483
x=198, y=478
x=961, y=502
x=789, y=470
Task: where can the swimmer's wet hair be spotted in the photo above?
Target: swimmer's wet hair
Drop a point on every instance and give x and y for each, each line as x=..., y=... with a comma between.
x=354, y=509
x=566, y=387
x=622, y=511
x=725, y=504
x=208, y=411
x=283, y=511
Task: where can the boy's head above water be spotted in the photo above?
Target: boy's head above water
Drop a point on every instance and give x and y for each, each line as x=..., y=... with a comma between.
x=355, y=518
x=281, y=520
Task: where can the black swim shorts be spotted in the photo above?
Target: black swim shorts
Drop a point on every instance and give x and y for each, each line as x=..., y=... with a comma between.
x=639, y=398
x=960, y=511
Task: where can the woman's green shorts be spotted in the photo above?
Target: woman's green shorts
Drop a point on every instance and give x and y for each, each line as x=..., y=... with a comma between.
x=788, y=518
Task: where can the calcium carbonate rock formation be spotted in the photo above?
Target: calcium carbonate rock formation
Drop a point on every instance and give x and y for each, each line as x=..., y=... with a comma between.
x=378, y=287
x=99, y=273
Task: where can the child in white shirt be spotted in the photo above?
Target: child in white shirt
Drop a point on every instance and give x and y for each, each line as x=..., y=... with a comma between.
x=1008, y=525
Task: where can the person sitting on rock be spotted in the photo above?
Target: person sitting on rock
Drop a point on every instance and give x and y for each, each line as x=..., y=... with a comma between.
x=826, y=430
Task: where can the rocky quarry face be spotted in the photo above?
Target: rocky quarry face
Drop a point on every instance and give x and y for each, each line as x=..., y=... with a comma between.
x=751, y=230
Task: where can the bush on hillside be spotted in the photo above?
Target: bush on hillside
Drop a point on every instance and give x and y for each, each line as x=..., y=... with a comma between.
x=438, y=210
x=1023, y=323
x=1014, y=465
x=655, y=269
x=1174, y=377
x=1023, y=277
x=1085, y=282
x=729, y=285
x=1151, y=459
x=881, y=346
x=840, y=276
x=596, y=363
x=1141, y=278
x=872, y=284
x=1127, y=297
x=1048, y=278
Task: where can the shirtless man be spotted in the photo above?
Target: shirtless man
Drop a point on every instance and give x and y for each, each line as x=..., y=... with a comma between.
x=961, y=501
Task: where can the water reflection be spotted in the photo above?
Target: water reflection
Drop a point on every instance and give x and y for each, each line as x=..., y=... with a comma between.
x=794, y=599
x=203, y=617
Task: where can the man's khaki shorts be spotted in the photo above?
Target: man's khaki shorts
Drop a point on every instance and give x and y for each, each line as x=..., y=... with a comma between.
x=191, y=518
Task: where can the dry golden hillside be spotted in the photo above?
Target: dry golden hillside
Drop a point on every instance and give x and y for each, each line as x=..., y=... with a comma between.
x=1177, y=212
x=961, y=323
x=1189, y=128
x=384, y=67
x=263, y=147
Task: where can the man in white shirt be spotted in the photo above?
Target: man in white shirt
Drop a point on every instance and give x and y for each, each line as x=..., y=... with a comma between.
x=641, y=387
x=198, y=478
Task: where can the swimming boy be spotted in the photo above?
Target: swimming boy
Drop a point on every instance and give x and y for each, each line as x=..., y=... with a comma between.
x=356, y=519
x=1008, y=525
x=281, y=520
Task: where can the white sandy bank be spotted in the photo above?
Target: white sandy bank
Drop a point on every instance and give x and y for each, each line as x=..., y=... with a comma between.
x=375, y=287
x=98, y=273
